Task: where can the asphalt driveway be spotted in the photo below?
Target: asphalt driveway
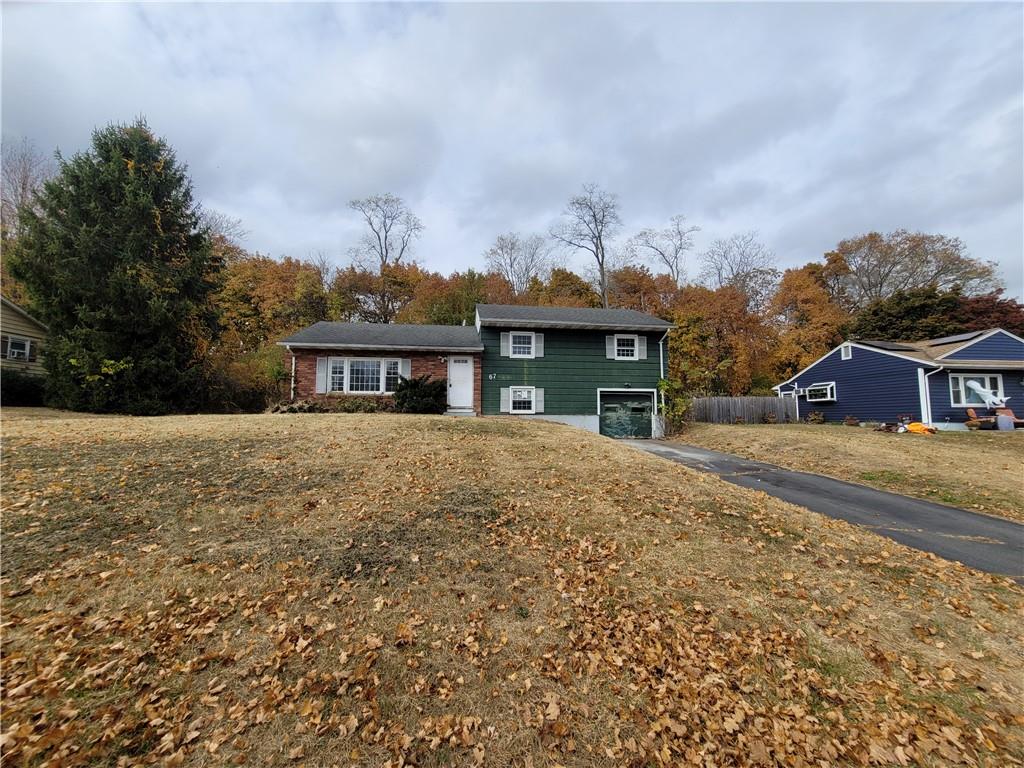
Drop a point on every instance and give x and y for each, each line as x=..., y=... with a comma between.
x=979, y=541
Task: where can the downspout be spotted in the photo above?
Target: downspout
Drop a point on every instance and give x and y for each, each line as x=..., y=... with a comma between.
x=291, y=390
x=928, y=395
x=661, y=365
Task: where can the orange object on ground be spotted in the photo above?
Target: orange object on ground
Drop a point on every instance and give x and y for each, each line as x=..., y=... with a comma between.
x=920, y=429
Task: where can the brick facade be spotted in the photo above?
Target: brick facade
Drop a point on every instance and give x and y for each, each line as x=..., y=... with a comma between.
x=433, y=364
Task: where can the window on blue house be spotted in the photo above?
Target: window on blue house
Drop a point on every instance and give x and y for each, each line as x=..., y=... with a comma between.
x=821, y=393
x=963, y=388
x=846, y=352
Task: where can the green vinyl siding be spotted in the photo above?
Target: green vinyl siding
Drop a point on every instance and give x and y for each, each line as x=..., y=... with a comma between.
x=573, y=368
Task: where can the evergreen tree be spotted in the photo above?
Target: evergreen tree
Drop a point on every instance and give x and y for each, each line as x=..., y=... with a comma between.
x=118, y=265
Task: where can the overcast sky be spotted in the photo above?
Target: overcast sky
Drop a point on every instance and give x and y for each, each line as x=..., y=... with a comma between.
x=809, y=123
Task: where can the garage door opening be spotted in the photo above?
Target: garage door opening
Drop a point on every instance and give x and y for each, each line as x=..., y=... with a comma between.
x=626, y=414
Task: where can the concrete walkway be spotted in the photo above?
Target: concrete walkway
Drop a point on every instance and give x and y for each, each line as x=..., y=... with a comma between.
x=979, y=541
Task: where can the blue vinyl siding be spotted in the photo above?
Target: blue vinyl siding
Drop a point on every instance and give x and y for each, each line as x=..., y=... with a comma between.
x=998, y=346
x=942, y=409
x=870, y=385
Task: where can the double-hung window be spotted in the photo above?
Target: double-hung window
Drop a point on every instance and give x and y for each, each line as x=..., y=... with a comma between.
x=626, y=347
x=963, y=388
x=821, y=393
x=521, y=344
x=392, y=375
x=521, y=399
x=337, y=376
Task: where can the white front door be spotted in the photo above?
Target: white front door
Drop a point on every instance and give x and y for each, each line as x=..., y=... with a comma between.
x=460, y=382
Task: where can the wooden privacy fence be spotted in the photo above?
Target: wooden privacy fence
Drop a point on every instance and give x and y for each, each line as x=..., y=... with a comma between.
x=746, y=410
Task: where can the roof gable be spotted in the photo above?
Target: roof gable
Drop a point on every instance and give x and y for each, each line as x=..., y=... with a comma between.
x=18, y=310
x=855, y=345
x=994, y=344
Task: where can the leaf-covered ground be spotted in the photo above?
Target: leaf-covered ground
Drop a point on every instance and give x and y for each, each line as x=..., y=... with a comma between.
x=983, y=470
x=388, y=590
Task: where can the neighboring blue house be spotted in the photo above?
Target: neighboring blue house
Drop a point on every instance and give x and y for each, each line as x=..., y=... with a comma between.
x=934, y=381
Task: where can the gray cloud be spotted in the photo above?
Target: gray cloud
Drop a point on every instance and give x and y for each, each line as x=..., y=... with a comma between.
x=810, y=123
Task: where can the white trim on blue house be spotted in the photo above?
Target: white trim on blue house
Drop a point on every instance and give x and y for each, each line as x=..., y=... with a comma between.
x=983, y=336
x=830, y=392
x=798, y=374
x=924, y=401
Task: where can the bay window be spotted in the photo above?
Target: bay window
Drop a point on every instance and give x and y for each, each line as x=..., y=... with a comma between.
x=821, y=393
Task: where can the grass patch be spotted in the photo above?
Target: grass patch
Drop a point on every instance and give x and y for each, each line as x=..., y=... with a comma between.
x=458, y=591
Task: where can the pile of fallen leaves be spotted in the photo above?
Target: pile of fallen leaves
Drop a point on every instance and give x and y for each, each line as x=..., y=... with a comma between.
x=386, y=590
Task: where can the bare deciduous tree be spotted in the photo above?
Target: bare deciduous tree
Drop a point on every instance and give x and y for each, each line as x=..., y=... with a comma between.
x=391, y=230
x=25, y=169
x=519, y=259
x=589, y=222
x=875, y=266
x=668, y=246
x=744, y=263
x=221, y=225
x=226, y=234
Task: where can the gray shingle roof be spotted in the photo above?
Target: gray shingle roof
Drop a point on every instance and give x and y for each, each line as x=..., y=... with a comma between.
x=514, y=316
x=380, y=336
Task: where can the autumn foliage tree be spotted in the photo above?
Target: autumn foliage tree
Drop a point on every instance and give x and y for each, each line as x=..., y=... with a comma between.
x=635, y=287
x=810, y=323
x=262, y=299
x=563, y=288
x=718, y=345
x=374, y=296
x=452, y=300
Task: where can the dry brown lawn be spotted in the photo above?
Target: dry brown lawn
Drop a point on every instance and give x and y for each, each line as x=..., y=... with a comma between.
x=983, y=471
x=389, y=590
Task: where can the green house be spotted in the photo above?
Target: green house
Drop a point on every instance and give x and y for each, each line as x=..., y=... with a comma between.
x=593, y=368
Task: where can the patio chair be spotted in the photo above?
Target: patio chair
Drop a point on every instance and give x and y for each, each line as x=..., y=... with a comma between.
x=986, y=422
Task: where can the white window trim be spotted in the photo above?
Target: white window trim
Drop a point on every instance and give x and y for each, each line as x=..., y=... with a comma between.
x=636, y=346
x=330, y=375
x=22, y=339
x=347, y=378
x=845, y=352
x=533, y=401
x=962, y=376
x=384, y=373
x=512, y=346
x=829, y=386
